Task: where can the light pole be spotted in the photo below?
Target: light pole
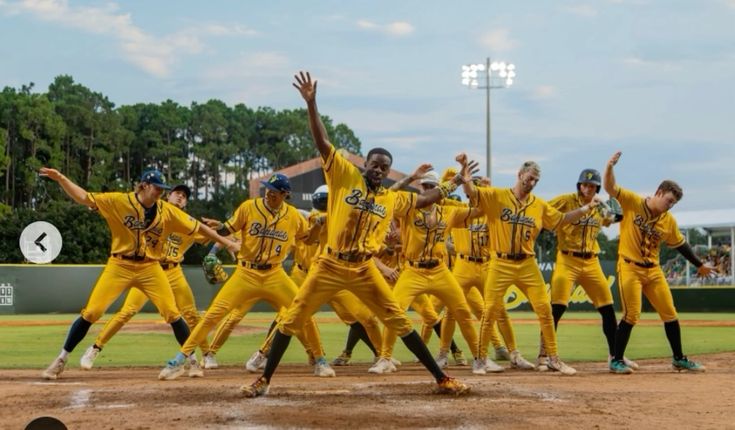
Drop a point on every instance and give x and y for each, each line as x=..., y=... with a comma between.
x=496, y=74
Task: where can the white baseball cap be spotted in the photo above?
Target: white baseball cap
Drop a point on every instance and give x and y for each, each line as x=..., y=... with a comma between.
x=431, y=177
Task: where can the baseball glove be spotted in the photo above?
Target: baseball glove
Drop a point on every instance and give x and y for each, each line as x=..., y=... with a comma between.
x=213, y=270
x=611, y=210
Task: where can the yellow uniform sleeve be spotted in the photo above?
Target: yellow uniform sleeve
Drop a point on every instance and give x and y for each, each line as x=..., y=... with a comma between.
x=551, y=218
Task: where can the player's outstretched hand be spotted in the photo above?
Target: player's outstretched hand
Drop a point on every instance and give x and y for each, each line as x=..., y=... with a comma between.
x=596, y=201
x=614, y=159
x=50, y=173
x=706, y=270
x=212, y=223
x=422, y=170
x=306, y=87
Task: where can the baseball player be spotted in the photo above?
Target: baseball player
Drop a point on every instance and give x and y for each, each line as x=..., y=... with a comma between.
x=269, y=226
x=172, y=250
x=647, y=223
x=425, y=272
x=577, y=262
x=472, y=247
x=360, y=211
x=133, y=261
x=516, y=217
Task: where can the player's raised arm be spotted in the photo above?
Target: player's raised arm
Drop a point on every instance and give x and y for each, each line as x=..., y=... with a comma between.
x=77, y=193
x=419, y=172
x=446, y=188
x=307, y=88
x=608, y=181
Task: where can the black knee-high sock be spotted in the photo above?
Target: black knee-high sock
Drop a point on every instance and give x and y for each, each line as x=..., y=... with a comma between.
x=673, y=333
x=438, y=331
x=622, y=335
x=418, y=348
x=557, y=311
x=77, y=331
x=181, y=330
x=357, y=333
x=278, y=348
x=609, y=325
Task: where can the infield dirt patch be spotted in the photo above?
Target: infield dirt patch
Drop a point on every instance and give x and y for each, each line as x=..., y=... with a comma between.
x=132, y=398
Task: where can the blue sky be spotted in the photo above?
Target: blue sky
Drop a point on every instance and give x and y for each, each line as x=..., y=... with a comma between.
x=653, y=79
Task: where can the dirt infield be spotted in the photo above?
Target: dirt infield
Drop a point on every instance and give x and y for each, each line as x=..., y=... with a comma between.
x=120, y=398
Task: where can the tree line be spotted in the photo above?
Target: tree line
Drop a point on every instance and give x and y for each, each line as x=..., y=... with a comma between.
x=212, y=147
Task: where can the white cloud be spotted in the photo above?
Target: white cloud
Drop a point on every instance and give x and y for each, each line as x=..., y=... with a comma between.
x=544, y=92
x=154, y=55
x=584, y=10
x=730, y=3
x=498, y=40
x=660, y=65
x=396, y=28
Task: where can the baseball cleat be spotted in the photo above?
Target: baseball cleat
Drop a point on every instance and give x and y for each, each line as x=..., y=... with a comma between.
x=256, y=389
x=478, y=366
x=442, y=360
x=322, y=368
x=501, y=354
x=542, y=363
x=256, y=362
x=54, y=370
x=630, y=363
x=87, y=360
x=342, y=360
x=557, y=365
x=195, y=370
x=459, y=359
x=619, y=367
x=493, y=367
x=209, y=361
x=174, y=368
x=518, y=362
x=449, y=385
x=686, y=364
x=383, y=365
x=395, y=362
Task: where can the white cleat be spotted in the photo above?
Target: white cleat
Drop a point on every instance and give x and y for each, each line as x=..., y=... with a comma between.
x=322, y=368
x=54, y=370
x=493, y=367
x=209, y=361
x=195, y=370
x=478, y=366
x=556, y=365
x=395, y=362
x=542, y=363
x=256, y=362
x=87, y=360
x=442, y=360
x=518, y=362
x=383, y=365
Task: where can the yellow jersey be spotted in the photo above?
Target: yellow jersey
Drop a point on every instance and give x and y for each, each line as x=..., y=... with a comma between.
x=359, y=218
x=424, y=231
x=303, y=254
x=267, y=235
x=641, y=233
x=130, y=229
x=514, y=225
x=579, y=236
x=472, y=238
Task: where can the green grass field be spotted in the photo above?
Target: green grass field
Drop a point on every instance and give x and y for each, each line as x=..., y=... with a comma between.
x=34, y=346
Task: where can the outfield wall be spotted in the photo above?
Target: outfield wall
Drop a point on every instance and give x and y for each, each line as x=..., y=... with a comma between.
x=32, y=289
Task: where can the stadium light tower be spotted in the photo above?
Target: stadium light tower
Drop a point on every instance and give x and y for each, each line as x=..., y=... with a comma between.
x=488, y=76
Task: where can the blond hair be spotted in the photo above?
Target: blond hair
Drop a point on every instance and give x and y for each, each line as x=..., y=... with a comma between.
x=530, y=165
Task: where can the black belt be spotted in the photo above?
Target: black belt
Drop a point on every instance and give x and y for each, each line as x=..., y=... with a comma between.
x=131, y=257
x=585, y=255
x=515, y=257
x=473, y=258
x=303, y=269
x=351, y=257
x=167, y=266
x=643, y=265
x=256, y=266
x=426, y=264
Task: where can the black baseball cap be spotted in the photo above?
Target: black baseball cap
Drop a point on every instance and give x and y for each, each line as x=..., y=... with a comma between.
x=155, y=177
x=184, y=189
x=277, y=182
